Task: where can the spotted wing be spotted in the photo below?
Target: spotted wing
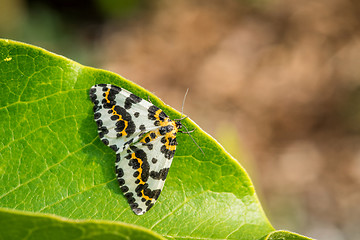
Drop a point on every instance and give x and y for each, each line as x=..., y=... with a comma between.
x=143, y=167
x=121, y=116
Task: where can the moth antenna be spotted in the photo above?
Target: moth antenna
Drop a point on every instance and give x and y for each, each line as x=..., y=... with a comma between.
x=191, y=131
x=181, y=118
x=182, y=107
x=187, y=131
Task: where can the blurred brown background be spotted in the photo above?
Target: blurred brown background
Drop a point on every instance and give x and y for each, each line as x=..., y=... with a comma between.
x=277, y=82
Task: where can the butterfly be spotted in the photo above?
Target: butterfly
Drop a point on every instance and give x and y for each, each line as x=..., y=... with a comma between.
x=143, y=138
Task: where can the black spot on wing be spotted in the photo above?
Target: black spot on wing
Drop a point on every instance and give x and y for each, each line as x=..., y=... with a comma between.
x=169, y=154
x=151, y=112
x=152, y=135
x=114, y=147
x=112, y=94
x=132, y=99
x=117, y=158
x=142, y=127
x=96, y=107
x=119, y=172
x=130, y=198
x=162, y=116
x=149, y=206
x=135, y=98
x=121, y=181
x=102, y=131
x=92, y=94
x=116, y=88
x=99, y=122
x=97, y=115
x=156, y=193
x=162, y=174
x=124, y=189
x=147, y=140
x=134, y=205
x=105, y=141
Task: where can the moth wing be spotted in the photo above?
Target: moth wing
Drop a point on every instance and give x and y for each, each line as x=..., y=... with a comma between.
x=121, y=116
x=142, y=170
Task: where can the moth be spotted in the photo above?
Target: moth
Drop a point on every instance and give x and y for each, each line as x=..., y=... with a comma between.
x=144, y=139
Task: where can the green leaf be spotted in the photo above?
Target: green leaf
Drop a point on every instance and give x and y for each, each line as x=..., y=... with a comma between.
x=285, y=235
x=52, y=161
x=26, y=225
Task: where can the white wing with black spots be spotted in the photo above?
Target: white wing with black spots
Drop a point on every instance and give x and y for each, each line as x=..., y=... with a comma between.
x=120, y=115
x=144, y=139
x=143, y=168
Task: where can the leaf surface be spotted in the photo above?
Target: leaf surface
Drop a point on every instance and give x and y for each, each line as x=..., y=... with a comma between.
x=52, y=161
x=285, y=235
x=27, y=225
